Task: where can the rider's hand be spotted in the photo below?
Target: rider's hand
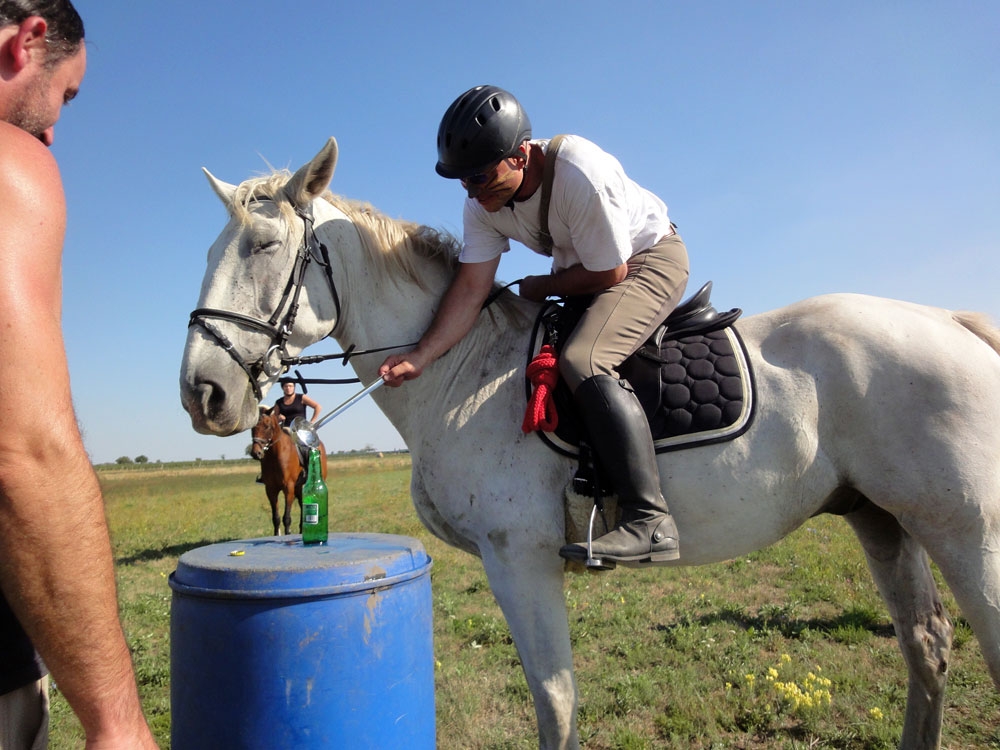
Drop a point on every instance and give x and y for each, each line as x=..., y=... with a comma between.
x=399, y=368
x=535, y=288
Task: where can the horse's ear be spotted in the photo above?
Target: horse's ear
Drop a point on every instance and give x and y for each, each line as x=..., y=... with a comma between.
x=224, y=190
x=312, y=179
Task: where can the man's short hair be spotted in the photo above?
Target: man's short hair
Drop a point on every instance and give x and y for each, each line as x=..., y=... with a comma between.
x=65, y=32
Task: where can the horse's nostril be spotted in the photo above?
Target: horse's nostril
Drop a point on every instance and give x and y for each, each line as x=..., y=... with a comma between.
x=213, y=399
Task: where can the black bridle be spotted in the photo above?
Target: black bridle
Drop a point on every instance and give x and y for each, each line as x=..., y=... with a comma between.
x=311, y=249
x=277, y=328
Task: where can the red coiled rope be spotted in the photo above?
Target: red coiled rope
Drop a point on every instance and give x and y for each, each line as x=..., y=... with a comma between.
x=543, y=372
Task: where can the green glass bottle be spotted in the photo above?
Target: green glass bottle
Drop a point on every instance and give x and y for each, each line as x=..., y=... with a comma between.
x=314, y=502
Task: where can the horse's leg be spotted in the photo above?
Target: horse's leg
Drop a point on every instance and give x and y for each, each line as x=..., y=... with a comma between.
x=969, y=559
x=299, y=484
x=902, y=573
x=289, y=502
x=529, y=590
x=272, y=498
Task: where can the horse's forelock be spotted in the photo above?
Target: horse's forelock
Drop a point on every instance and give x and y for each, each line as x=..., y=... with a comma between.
x=255, y=189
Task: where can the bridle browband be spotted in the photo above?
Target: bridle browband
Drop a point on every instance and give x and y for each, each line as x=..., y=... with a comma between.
x=311, y=249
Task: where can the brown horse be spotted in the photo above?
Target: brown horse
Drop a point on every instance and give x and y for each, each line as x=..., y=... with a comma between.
x=280, y=467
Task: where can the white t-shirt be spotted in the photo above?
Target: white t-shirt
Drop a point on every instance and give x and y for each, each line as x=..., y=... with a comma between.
x=597, y=215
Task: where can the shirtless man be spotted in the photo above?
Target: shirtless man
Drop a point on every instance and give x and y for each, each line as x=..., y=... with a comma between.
x=57, y=585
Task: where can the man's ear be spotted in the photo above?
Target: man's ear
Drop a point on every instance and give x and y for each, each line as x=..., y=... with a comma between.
x=521, y=157
x=29, y=40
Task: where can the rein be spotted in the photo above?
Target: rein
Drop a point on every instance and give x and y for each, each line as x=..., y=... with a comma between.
x=352, y=350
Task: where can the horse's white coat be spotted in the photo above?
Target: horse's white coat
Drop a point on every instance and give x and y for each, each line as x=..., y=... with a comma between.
x=858, y=397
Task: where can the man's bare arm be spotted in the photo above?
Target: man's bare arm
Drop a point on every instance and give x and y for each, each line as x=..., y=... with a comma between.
x=459, y=309
x=57, y=569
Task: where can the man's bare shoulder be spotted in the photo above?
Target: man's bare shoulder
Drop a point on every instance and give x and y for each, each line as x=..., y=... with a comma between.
x=32, y=204
x=26, y=164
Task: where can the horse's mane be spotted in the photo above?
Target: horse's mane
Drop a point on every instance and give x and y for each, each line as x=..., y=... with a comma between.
x=397, y=247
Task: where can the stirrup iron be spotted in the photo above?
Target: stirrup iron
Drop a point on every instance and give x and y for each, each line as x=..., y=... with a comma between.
x=595, y=563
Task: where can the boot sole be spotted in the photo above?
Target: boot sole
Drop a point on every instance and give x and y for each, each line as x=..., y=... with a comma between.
x=631, y=561
x=656, y=558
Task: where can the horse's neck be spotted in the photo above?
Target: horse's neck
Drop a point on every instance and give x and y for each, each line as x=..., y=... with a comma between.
x=395, y=313
x=375, y=312
x=284, y=443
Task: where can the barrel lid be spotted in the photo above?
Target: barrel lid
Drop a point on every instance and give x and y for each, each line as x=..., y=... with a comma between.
x=283, y=567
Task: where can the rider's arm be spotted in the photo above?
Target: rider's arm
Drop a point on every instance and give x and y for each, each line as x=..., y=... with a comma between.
x=57, y=571
x=572, y=281
x=459, y=309
x=315, y=407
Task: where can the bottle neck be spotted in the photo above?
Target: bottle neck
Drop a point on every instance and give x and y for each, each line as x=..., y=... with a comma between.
x=314, y=464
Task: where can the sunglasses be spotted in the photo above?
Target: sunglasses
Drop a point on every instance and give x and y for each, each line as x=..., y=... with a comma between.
x=481, y=178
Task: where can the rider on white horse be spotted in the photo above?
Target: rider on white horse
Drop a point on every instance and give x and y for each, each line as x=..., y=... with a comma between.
x=608, y=237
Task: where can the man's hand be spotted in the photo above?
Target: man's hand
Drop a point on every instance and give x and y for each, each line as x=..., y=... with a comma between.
x=399, y=368
x=536, y=288
x=455, y=317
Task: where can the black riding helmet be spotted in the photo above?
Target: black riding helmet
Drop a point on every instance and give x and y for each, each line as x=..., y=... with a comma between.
x=481, y=127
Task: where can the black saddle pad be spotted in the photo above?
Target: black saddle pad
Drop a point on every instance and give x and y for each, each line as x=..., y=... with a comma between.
x=695, y=390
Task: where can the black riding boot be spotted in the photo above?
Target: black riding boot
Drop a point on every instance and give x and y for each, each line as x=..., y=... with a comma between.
x=619, y=434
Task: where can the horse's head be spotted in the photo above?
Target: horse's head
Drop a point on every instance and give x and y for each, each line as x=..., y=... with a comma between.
x=267, y=294
x=265, y=432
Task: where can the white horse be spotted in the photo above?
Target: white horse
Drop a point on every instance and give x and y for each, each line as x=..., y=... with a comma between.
x=885, y=410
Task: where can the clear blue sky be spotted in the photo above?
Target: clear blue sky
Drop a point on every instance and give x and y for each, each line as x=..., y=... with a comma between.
x=802, y=147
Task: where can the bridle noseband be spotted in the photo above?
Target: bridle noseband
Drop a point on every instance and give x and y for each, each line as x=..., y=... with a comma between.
x=265, y=444
x=311, y=249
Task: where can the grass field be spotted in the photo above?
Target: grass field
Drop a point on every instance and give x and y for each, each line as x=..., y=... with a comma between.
x=789, y=647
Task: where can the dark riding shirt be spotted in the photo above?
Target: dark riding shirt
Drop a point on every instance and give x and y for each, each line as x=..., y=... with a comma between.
x=20, y=665
x=292, y=410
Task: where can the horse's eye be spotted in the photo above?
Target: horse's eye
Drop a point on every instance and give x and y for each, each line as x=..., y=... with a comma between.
x=266, y=247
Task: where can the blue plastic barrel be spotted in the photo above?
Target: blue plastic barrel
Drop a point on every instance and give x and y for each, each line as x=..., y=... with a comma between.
x=275, y=645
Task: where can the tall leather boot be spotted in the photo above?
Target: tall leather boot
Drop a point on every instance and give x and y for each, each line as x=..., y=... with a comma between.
x=619, y=434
